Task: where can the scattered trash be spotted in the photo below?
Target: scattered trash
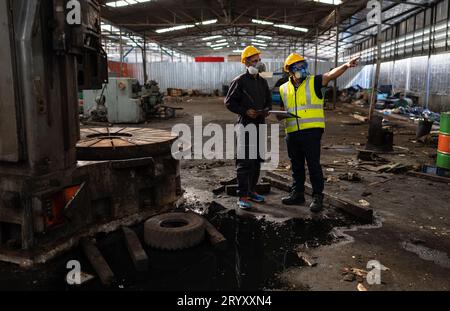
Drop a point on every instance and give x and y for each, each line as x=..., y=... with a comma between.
x=360, y=118
x=307, y=259
x=223, y=184
x=332, y=179
x=350, y=176
x=364, y=203
x=361, y=287
x=394, y=168
x=354, y=274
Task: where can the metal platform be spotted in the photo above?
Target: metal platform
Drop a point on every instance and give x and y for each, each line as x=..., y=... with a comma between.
x=123, y=143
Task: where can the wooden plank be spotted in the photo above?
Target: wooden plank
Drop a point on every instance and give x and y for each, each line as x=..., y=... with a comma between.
x=360, y=118
x=429, y=177
x=215, y=237
x=135, y=249
x=97, y=261
x=360, y=212
x=307, y=259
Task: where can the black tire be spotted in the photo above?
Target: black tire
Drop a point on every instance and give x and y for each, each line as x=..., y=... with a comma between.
x=174, y=231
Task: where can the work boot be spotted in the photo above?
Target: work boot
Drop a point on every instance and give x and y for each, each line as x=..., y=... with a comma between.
x=295, y=198
x=317, y=203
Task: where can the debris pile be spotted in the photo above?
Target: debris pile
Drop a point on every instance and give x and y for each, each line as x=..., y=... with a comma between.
x=389, y=102
x=175, y=92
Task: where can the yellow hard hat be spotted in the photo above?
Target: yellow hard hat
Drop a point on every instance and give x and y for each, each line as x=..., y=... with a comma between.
x=292, y=59
x=249, y=51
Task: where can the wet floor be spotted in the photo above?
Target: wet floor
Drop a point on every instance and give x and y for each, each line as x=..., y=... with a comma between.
x=257, y=250
x=429, y=254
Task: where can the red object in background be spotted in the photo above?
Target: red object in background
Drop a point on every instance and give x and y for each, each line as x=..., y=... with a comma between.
x=209, y=59
x=54, y=210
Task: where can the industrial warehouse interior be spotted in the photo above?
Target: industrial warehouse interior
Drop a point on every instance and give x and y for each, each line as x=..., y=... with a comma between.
x=225, y=146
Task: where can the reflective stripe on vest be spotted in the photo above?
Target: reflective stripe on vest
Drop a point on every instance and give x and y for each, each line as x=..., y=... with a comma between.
x=310, y=120
x=310, y=108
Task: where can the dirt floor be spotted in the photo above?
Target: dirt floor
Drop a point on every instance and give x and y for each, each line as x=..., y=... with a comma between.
x=278, y=247
x=412, y=229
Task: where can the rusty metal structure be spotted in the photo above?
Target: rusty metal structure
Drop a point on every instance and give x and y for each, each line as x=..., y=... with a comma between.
x=48, y=198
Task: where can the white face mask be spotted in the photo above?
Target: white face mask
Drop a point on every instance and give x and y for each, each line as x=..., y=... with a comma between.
x=253, y=70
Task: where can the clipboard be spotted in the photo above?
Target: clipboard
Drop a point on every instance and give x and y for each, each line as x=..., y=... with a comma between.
x=284, y=114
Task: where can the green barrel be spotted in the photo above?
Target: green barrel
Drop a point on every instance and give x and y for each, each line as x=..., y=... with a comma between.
x=443, y=160
x=445, y=123
x=443, y=157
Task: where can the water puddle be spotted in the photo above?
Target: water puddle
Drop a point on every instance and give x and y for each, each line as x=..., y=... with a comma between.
x=428, y=254
x=257, y=251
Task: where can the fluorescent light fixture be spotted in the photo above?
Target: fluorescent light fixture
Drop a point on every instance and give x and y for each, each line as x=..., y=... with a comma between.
x=238, y=51
x=220, y=41
x=335, y=2
x=122, y=3
x=264, y=37
x=289, y=27
x=218, y=48
x=258, y=21
x=180, y=27
x=260, y=41
x=212, y=21
x=218, y=44
x=212, y=38
x=259, y=44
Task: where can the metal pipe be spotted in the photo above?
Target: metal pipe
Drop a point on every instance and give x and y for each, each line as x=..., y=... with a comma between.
x=121, y=52
x=432, y=26
x=315, y=57
x=144, y=59
x=336, y=58
x=374, y=97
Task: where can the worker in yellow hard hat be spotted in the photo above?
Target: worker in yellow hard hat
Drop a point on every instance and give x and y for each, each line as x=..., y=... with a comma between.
x=303, y=96
x=250, y=98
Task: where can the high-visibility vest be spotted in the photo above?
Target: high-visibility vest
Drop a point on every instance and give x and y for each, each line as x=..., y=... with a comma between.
x=304, y=103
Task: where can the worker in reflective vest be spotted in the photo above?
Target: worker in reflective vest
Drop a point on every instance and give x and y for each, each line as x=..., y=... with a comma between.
x=303, y=96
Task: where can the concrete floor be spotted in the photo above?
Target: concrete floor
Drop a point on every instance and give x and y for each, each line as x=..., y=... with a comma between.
x=412, y=235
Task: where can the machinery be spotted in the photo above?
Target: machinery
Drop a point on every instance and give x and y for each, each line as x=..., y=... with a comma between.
x=55, y=184
x=124, y=100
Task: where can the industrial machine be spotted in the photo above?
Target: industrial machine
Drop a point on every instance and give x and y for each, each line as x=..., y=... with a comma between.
x=125, y=100
x=55, y=184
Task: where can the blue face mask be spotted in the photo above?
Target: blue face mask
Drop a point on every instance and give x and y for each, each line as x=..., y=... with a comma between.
x=300, y=70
